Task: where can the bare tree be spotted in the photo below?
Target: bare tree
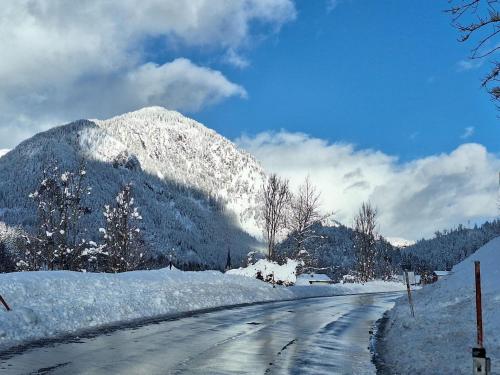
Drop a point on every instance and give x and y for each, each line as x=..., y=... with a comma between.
x=480, y=20
x=365, y=241
x=304, y=213
x=276, y=197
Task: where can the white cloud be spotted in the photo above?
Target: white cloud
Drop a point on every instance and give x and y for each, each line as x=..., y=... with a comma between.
x=465, y=65
x=53, y=50
x=180, y=84
x=414, y=198
x=331, y=5
x=468, y=132
x=233, y=58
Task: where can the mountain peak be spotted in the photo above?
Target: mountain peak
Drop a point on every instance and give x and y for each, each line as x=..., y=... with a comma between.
x=155, y=119
x=170, y=145
x=152, y=110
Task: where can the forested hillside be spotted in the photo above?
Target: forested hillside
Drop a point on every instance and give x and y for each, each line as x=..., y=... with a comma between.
x=449, y=247
x=196, y=192
x=331, y=250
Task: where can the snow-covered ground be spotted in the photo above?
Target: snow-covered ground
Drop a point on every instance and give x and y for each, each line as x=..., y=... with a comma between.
x=47, y=304
x=443, y=333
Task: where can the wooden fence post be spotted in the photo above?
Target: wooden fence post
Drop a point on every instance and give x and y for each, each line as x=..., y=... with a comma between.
x=4, y=303
x=479, y=307
x=481, y=364
x=410, y=300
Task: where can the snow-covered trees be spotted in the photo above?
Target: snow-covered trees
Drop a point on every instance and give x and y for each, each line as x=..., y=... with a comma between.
x=59, y=240
x=365, y=241
x=449, y=247
x=276, y=197
x=122, y=244
x=387, y=259
x=60, y=205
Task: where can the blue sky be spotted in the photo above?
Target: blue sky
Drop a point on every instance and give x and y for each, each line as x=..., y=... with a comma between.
x=375, y=101
x=379, y=76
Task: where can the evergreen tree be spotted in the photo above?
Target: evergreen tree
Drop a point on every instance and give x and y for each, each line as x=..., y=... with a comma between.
x=122, y=242
x=6, y=260
x=228, y=260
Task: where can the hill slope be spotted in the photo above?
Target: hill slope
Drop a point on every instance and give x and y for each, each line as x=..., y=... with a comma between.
x=444, y=329
x=196, y=191
x=332, y=250
x=450, y=247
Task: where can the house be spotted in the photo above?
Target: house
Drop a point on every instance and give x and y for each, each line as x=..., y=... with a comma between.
x=313, y=278
x=413, y=278
x=435, y=276
x=442, y=274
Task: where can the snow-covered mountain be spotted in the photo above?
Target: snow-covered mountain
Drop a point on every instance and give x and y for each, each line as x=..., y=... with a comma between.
x=400, y=242
x=196, y=190
x=174, y=147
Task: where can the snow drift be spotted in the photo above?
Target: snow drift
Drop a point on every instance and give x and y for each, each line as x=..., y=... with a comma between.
x=47, y=304
x=444, y=331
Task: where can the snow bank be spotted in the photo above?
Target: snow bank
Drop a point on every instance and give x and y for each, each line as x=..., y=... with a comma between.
x=444, y=331
x=47, y=304
x=285, y=273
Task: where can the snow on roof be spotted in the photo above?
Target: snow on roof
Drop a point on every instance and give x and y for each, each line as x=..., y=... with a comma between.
x=305, y=278
x=315, y=276
x=442, y=273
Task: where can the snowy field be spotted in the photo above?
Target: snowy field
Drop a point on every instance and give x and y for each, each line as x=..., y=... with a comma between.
x=441, y=337
x=47, y=304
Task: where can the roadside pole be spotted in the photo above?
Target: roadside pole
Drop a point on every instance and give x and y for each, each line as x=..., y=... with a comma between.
x=4, y=303
x=410, y=300
x=480, y=363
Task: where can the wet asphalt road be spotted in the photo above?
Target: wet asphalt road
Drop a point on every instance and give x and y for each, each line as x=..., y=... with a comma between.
x=310, y=336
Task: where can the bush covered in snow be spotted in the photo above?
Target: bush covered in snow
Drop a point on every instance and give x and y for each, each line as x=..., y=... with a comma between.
x=271, y=272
